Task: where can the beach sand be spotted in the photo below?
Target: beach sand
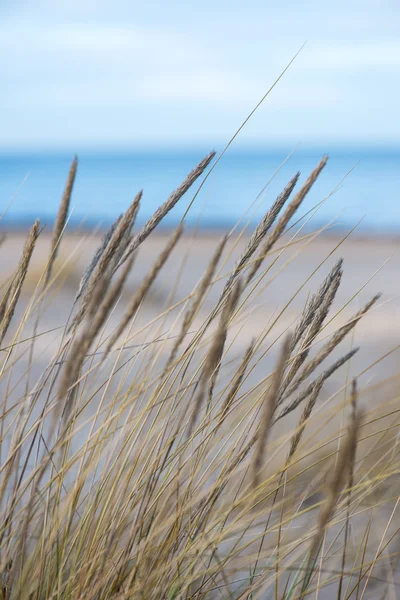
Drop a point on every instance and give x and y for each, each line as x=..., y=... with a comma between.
x=371, y=265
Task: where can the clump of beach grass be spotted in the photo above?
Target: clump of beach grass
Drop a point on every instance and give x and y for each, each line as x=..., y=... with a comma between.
x=144, y=462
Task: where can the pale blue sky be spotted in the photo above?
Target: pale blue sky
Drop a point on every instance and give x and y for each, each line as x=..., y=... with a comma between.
x=102, y=74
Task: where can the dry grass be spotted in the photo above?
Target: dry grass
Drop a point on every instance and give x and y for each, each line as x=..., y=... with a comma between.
x=141, y=469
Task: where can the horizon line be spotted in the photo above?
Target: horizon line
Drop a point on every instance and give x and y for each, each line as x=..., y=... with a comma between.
x=300, y=148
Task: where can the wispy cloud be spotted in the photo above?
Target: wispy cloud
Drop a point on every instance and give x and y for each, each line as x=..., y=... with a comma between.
x=88, y=73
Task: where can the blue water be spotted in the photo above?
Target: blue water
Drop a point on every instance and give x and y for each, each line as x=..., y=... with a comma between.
x=106, y=184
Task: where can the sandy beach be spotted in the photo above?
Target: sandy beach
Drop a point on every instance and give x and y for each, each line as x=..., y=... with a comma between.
x=371, y=265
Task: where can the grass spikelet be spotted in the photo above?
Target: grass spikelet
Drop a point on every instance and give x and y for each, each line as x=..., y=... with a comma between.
x=314, y=318
x=329, y=347
x=98, y=254
x=106, y=255
x=343, y=464
x=61, y=218
x=4, y=301
x=269, y=405
x=285, y=218
x=331, y=281
x=315, y=384
x=212, y=361
x=221, y=334
x=260, y=232
x=19, y=278
x=352, y=456
x=168, y=205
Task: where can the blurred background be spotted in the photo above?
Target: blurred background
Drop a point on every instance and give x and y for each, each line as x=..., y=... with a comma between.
x=142, y=90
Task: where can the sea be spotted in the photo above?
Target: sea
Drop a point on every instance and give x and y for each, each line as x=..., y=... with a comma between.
x=358, y=187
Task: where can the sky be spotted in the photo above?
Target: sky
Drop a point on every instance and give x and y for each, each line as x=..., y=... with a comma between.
x=116, y=74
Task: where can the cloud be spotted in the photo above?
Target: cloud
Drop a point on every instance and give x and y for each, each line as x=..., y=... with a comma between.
x=133, y=73
x=382, y=54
